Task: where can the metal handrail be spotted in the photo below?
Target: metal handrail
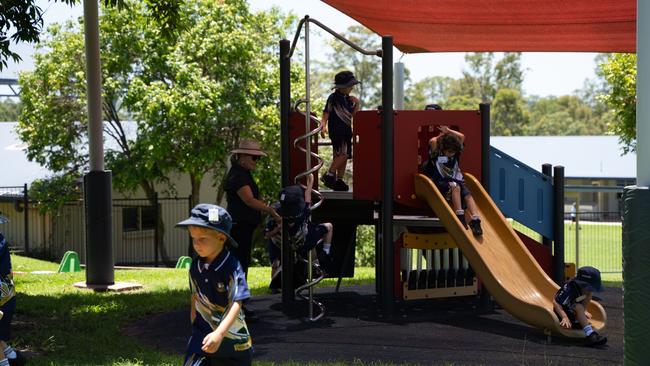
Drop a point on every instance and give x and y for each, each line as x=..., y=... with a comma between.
x=377, y=52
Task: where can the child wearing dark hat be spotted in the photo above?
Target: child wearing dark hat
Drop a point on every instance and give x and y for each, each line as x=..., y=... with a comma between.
x=219, y=332
x=443, y=167
x=337, y=120
x=295, y=209
x=571, y=301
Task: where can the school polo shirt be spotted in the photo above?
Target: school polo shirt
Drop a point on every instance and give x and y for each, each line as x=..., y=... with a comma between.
x=217, y=286
x=568, y=295
x=339, y=107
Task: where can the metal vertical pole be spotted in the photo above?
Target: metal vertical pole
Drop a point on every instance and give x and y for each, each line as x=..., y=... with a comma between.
x=307, y=155
x=558, y=224
x=643, y=94
x=288, y=296
x=484, y=110
x=387, y=290
x=547, y=169
x=156, y=237
x=399, y=86
x=578, y=231
x=26, y=213
x=97, y=183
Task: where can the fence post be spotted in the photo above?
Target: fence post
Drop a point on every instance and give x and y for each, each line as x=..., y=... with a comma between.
x=578, y=231
x=26, y=212
x=547, y=169
x=190, y=250
x=157, y=231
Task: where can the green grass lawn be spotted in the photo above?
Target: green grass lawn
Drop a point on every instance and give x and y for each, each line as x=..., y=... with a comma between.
x=600, y=246
x=61, y=325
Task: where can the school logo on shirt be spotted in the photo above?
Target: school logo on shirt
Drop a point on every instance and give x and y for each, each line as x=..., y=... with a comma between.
x=221, y=287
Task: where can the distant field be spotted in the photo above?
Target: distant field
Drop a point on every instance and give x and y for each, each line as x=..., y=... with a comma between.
x=600, y=246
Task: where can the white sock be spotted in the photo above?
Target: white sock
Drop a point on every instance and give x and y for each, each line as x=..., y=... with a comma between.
x=326, y=248
x=330, y=174
x=475, y=217
x=588, y=330
x=10, y=353
x=4, y=362
x=460, y=212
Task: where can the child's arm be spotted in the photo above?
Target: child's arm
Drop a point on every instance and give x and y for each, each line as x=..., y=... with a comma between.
x=448, y=131
x=323, y=122
x=192, y=308
x=564, y=322
x=310, y=185
x=212, y=341
x=433, y=143
x=357, y=104
x=585, y=303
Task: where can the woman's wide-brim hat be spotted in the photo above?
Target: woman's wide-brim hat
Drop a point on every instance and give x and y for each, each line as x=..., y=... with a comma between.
x=249, y=147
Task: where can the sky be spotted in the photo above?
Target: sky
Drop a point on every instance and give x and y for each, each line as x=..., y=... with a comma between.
x=545, y=73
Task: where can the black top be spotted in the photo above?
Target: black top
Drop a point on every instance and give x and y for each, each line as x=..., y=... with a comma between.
x=239, y=177
x=340, y=107
x=569, y=294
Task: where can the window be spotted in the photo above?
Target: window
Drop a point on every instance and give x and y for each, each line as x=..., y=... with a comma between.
x=138, y=218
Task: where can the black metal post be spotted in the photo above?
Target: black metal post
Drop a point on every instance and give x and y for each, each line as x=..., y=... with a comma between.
x=387, y=283
x=547, y=169
x=99, y=237
x=288, y=296
x=157, y=231
x=190, y=247
x=26, y=213
x=484, y=110
x=558, y=224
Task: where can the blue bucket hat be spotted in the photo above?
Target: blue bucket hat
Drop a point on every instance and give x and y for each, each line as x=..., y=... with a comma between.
x=589, y=279
x=3, y=220
x=211, y=217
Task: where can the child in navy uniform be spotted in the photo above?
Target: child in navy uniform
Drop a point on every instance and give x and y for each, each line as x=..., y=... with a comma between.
x=443, y=167
x=219, y=332
x=295, y=208
x=337, y=119
x=571, y=301
x=9, y=357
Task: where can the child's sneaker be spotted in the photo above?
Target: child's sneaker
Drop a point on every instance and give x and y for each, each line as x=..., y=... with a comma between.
x=475, y=224
x=329, y=180
x=595, y=339
x=340, y=185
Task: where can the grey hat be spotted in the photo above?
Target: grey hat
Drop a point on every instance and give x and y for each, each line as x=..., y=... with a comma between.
x=211, y=217
x=589, y=279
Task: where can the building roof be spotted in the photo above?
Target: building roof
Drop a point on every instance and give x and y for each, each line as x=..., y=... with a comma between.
x=581, y=156
x=16, y=168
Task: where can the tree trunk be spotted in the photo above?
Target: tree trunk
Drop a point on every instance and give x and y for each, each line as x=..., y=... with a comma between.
x=150, y=192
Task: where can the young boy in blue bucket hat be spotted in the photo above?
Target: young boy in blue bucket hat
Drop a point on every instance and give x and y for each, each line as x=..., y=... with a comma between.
x=571, y=301
x=219, y=332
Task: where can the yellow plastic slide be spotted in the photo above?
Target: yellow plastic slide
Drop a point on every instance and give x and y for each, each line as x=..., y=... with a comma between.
x=502, y=262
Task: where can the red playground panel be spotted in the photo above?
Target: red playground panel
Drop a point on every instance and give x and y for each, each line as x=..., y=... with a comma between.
x=412, y=129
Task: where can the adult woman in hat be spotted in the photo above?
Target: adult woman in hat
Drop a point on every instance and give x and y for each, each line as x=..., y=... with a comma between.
x=242, y=195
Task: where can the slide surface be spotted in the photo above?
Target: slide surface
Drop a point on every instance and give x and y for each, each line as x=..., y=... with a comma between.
x=502, y=262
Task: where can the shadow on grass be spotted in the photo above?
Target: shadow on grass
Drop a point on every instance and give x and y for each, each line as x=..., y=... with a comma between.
x=84, y=327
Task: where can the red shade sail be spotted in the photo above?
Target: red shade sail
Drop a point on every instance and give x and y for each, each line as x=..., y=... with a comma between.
x=499, y=25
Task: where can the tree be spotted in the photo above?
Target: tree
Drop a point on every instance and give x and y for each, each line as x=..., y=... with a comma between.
x=25, y=19
x=9, y=110
x=619, y=71
x=367, y=69
x=509, y=114
x=484, y=78
x=433, y=89
x=192, y=95
x=566, y=115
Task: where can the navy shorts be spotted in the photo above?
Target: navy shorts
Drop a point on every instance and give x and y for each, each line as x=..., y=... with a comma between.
x=342, y=144
x=315, y=233
x=445, y=190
